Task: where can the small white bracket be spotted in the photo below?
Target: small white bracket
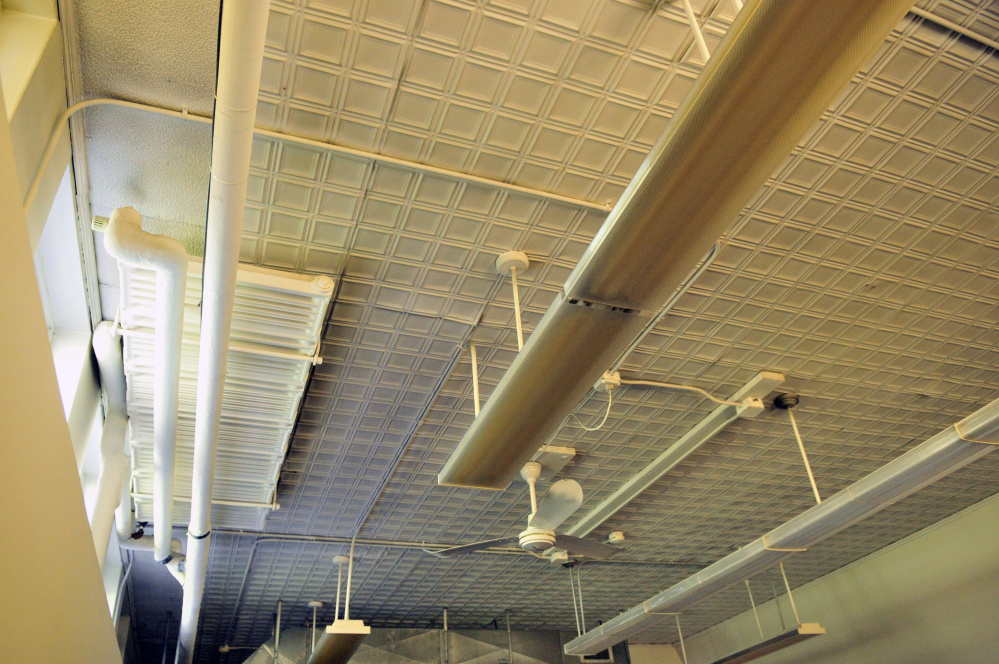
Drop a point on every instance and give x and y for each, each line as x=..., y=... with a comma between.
x=750, y=408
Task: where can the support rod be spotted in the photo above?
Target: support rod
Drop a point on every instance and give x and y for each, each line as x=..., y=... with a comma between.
x=756, y=613
x=698, y=37
x=475, y=378
x=516, y=308
x=804, y=456
x=790, y=595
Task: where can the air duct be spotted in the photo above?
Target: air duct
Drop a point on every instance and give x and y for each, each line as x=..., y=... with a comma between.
x=241, y=52
x=775, y=72
x=941, y=455
x=125, y=240
x=114, y=462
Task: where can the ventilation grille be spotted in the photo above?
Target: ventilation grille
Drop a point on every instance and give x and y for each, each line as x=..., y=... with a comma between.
x=276, y=325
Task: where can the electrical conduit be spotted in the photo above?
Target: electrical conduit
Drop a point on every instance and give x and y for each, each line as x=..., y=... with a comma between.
x=241, y=50
x=125, y=240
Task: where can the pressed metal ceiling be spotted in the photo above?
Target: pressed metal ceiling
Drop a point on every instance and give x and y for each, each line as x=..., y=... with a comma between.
x=866, y=271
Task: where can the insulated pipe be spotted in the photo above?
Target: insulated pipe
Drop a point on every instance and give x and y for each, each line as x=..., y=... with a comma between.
x=776, y=70
x=125, y=240
x=241, y=52
x=114, y=461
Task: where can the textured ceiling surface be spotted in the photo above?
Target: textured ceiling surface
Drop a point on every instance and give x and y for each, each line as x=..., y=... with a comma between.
x=866, y=270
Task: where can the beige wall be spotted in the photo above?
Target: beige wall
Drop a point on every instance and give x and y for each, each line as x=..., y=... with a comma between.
x=653, y=654
x=932, y=598
x=53, y=606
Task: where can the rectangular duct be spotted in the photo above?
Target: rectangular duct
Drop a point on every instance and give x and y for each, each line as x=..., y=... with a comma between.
x=777, y=69
x=277, y=322
x=948, y=451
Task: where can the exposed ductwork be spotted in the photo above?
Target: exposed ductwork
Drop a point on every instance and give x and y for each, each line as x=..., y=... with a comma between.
x=941, y=455
x=771, y=77
x=125, y=240
x=241, y=50
x=112, y=482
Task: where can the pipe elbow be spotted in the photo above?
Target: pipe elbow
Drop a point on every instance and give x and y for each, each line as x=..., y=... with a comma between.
x=127, y=242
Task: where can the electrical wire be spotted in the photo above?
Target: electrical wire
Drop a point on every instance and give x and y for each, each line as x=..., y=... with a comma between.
x=688, y=388
x=610, y=400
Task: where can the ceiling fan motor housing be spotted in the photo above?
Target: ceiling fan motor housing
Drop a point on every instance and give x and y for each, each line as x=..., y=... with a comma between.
x=537, y=539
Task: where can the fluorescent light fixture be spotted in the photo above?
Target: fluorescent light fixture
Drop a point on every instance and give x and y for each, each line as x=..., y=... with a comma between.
x=760, y=386
x=339, y=642
x=948, y=451
x=777, y=69
x=802, y=632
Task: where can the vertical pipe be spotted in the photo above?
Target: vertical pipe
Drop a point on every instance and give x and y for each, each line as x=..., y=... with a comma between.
x=446, y=654
x=579, y=589
x=509, y=637
x=804, y=456
x=125, y=240
x=350, y=574
x=516, y=309
x=277, y=635
x=241, y=52
x=114, y=462
x=475, y=378
x=339, y=582
x=313, y=648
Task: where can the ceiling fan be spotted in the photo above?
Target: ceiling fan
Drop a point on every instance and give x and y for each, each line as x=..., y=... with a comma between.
x=562, y=500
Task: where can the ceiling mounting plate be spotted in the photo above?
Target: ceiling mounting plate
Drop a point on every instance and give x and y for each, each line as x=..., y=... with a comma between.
x=505, y=262
x=553, y=459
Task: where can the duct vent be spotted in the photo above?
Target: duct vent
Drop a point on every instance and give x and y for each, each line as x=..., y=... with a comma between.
x=277, y=322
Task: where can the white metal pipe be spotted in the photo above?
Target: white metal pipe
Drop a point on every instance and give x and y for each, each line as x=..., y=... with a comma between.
x=241, y=51
x=60, y=127
x=114, y=461
x=125, y=240
x=124, y=515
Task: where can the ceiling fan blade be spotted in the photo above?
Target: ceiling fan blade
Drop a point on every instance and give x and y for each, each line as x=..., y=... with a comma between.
x=469, y=548
x=588, y=548
x=563, y=498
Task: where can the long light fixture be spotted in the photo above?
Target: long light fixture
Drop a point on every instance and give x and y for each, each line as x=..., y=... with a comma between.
x=948, y=451
x=760, y=386
x=775, y=72
x=802, y=632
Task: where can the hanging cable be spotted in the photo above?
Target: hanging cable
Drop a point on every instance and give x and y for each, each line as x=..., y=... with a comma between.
x=610, y=400
x=688, y=388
